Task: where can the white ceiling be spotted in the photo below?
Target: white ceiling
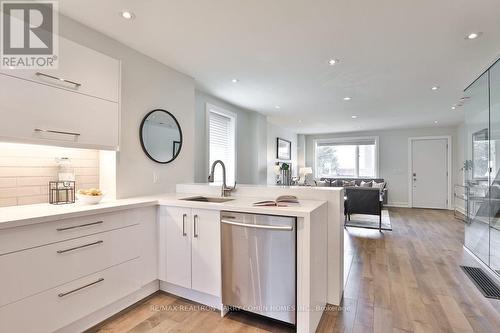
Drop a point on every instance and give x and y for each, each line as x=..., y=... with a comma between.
x=391, y=53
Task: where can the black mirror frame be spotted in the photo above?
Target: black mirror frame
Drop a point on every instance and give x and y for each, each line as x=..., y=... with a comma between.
x=142, y=141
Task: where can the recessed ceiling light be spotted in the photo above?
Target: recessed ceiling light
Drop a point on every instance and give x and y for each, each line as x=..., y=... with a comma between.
x=347, y=98
x=435, y=121
x=300, y=121
x=332, y=62
x=235, y=80
x=435, y=88
x=277, y=107
x=473, y=35
x=127, y=15
x=453, y=107
x=354, y=117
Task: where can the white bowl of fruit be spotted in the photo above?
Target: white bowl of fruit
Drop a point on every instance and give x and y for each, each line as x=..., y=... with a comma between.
x=90, y=196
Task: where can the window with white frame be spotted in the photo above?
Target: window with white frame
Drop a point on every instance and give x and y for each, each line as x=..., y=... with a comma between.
x=222, y=142
x=346, y=158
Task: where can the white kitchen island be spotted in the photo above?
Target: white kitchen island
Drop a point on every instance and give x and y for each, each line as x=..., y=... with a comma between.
x=120, y=249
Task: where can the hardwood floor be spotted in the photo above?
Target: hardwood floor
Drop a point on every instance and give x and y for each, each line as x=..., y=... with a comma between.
x=407, y=280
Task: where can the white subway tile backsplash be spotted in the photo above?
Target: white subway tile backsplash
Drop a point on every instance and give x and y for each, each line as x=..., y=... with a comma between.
x=87, y=179
x=31, y=181
x=28, y=191
x=25, y=171
x=5, y=202
x=8, y=192
x=8, y=182
x=88, y=163
x=87, y=171
x=32, y=200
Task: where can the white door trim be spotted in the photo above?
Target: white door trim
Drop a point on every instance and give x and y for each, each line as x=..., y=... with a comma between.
x=410, y=163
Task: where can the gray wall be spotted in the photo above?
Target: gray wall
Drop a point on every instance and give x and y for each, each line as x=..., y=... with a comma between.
x=274, y=132
x=146, y=85
x=250, y=141
x=393, y=156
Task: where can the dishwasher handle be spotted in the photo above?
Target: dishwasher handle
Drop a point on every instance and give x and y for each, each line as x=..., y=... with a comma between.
x=259, y=226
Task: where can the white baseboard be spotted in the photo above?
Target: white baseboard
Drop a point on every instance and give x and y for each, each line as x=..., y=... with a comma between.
x=110, y=310
x=461, y=210
x=397, y=204
x=196, y=296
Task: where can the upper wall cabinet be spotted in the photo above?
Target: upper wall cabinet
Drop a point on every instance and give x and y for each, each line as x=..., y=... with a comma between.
x=81, y=70
x=76, y=105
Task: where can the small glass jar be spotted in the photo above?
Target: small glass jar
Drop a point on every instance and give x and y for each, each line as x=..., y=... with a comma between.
x=65, y=172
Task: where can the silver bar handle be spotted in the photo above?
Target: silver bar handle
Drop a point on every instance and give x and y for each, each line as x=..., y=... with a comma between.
x=80, y=288
x=259, y=226
x=80, y=226
x=184, y=216
x=56, y=132
x=76, y=84
x=79, y=247
x=195, y=222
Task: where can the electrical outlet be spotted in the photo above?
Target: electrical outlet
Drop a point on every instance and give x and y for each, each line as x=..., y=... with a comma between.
x=156, y=178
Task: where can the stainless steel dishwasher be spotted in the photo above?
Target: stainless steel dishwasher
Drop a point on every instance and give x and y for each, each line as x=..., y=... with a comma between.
x=259, y=264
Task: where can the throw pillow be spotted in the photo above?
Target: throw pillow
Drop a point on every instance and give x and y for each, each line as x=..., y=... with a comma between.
x=366, y=184
x=336, y=183
x=349, y=183
x=378, y=185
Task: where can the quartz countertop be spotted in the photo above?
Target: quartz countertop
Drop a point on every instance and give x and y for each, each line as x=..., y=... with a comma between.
x=16, y=216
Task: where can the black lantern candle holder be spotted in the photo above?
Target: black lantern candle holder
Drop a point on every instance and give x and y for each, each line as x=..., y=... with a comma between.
x=61, y=192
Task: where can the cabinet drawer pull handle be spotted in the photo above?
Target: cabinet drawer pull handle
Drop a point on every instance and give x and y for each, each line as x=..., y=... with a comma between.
x=195, y=222
x=56, y=132
x=76, y=84
x=184, y=216
x=79, y=226
x=80, y=288
x=80, y=247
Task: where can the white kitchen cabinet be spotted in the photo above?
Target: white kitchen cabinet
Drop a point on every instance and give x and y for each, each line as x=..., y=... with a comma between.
x=205, y=252
x=149, y=244
x=80, y=70
x=37, y=113
x=55, y=308
x=58, y=230
x=178, y=246
x=58, y=263
x=63, y=270
x=192, y=248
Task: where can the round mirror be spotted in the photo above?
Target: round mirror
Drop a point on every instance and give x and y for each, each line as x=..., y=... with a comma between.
x=161, y=136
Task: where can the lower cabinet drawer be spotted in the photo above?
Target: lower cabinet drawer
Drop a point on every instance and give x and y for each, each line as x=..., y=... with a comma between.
x=28, y=272
x=25, y=237
x=61, y=306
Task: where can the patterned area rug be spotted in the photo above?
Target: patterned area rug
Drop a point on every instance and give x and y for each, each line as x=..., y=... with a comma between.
x=370, y=221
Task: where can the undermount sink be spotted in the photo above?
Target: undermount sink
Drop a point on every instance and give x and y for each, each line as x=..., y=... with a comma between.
x=207, y=199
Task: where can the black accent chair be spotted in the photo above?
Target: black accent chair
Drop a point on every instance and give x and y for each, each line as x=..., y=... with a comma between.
x=339, y=182
x=363, y=200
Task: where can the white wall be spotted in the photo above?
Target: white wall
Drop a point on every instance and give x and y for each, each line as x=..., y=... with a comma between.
x=460, y=155
x=146, y=85
x=393, y=156
x=250, y=141
x=274, y=132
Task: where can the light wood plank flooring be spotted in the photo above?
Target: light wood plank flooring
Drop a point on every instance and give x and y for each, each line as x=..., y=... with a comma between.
x=407, y=280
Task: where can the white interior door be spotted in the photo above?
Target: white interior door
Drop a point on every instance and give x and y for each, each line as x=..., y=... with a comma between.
x=429, y=173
